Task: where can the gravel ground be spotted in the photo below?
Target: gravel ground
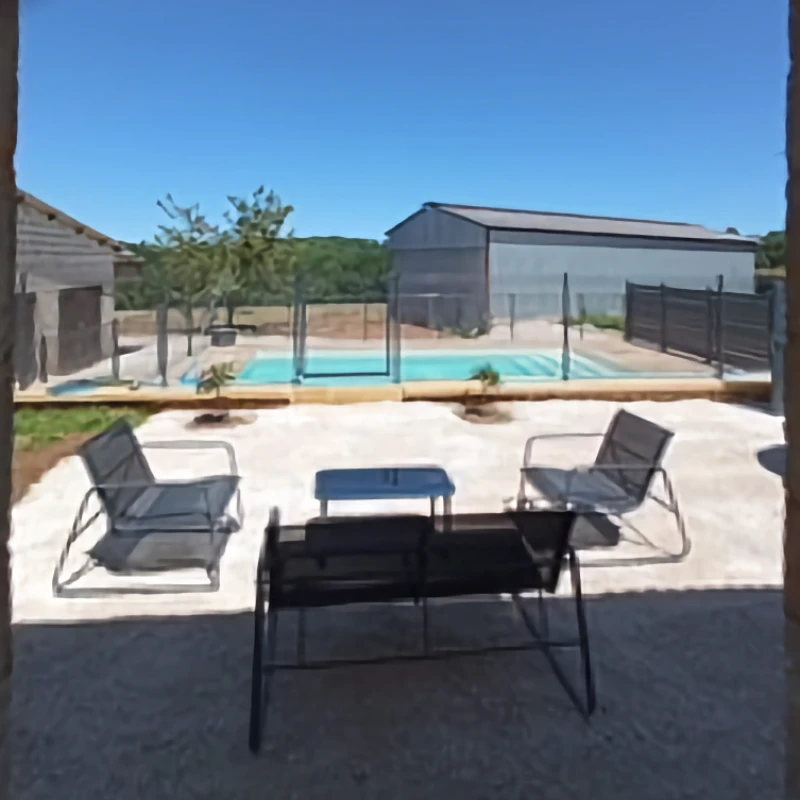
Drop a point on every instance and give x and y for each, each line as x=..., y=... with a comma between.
x=147, y=696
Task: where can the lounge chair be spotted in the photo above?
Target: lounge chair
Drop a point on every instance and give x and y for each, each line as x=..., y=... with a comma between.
x=152, y=525
x=350, y=560
x=618, y=482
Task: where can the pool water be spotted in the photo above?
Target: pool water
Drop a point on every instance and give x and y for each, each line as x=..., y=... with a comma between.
x=540, y=365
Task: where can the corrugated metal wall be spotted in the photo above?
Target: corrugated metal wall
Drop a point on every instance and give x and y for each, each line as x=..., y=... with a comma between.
x=532, y=265
x=437, y=254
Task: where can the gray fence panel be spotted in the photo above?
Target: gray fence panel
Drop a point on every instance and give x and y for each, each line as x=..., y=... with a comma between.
x=730, y=328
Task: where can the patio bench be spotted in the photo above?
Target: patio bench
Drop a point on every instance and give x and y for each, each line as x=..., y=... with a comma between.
x=387, y=559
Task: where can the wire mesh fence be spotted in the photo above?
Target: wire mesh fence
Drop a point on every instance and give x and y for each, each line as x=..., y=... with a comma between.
x=387, y=335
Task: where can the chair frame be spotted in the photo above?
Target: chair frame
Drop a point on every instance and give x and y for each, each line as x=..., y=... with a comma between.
x=83, y=521
x=268, y=609
x=610, y=509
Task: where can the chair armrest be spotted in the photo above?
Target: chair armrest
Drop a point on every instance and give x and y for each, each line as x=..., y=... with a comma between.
x=197, y=445
x=526, y=461
x=152, y=485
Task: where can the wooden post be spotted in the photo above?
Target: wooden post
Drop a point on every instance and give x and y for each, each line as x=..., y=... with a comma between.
x=115, y=349
x=791, y=541
x=9, y=95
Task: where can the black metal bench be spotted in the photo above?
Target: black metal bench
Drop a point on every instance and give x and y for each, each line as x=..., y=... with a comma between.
x=352, y=560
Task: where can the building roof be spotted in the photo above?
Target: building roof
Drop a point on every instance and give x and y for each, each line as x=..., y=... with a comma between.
x=121, y=253
x=509, y=219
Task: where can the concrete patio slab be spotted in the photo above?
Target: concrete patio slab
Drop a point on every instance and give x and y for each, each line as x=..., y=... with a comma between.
x=147, y=696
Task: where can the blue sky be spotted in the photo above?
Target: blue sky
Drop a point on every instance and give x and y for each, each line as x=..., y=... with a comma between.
x=357, y=111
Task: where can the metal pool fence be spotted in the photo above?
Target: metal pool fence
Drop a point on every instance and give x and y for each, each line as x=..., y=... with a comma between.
x=727, y=329
x=366, y=335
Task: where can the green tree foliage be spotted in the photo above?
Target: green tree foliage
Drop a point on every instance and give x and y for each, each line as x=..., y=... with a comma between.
x=338, y=268
x=187, y=259
x=251, y=261
x=772, y=251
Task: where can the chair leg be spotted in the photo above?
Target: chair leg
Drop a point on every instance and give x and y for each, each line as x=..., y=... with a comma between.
x=257, y=678
x=543, y=618
x=301, y=636
x=426, y=640
x=78, y=527
x=583, y=633
x=212, y=571
x=672, y=506
x=266, y=626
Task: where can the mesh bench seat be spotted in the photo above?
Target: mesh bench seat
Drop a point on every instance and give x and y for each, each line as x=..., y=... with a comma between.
x=387, y=559
x=627, y=465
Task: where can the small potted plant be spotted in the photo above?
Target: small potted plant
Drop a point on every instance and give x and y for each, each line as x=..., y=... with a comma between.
x=484, y=408
x=214, y=380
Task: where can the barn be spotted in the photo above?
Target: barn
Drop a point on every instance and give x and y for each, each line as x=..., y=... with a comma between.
x=459, y=266
x=66, y=273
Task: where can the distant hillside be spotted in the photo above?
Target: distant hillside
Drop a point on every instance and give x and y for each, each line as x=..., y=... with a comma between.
x=331, y=266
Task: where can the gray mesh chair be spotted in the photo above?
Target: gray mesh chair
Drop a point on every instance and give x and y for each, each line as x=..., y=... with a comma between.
x=152, y=525
x=619, y=481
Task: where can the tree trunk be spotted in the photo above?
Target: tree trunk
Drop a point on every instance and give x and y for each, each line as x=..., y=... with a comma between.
x=189, y=328
x=792, y=411
x=9, y=59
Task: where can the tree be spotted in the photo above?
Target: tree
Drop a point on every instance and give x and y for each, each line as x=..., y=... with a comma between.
x=251, y=263
x=9, y=95
x=335, y=267
x=187, y=256
x=772, y=251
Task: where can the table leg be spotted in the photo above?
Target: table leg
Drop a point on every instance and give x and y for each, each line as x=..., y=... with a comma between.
x=522, y=493
x=447, y=504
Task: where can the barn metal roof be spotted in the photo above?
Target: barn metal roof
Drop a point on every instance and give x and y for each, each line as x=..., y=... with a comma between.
x=121, y=254
x=544, y=221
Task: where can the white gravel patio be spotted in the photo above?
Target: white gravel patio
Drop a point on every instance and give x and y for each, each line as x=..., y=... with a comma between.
x=142, y=696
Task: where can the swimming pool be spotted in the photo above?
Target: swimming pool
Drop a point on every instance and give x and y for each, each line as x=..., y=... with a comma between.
x=441, y=366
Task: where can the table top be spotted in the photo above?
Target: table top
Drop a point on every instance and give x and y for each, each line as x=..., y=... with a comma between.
x=382, y=483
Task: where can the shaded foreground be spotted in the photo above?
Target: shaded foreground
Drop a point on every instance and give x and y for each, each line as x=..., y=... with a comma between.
x=690, y=688
x=689, y=678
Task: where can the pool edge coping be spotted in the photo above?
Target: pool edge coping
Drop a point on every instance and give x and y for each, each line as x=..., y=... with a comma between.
x=627, y=390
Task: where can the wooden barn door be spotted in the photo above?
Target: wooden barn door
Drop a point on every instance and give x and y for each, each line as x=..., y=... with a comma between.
x=25, y=366
x=79, y=328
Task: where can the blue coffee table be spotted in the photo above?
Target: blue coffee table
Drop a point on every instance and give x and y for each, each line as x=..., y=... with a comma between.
x=384, y=483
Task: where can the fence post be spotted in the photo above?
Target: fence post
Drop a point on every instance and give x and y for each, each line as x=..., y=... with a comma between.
x=628, y=311
x=581, y=313
x=162, y=346
x=366, y=321
x=720, y=327
x=512, y=313
x=565, y=313
x=710, y=317
x=115, y=349
x=397, y=331
x=43, y=358
x=664, y=337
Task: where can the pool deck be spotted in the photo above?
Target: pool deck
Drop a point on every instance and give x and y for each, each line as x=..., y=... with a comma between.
x=616, y=390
